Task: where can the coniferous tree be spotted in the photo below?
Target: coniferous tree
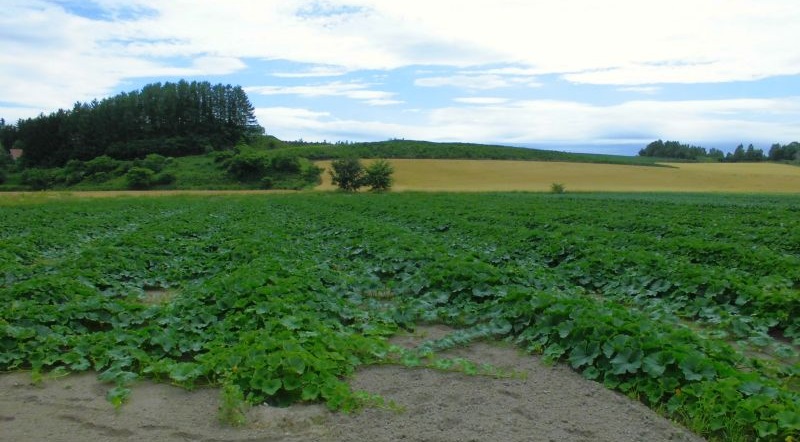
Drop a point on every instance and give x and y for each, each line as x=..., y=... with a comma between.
x=170, y=119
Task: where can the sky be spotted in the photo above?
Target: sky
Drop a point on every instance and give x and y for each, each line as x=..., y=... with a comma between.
x=576, y=75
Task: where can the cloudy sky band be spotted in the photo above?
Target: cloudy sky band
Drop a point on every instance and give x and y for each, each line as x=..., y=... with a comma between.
x=537, y=72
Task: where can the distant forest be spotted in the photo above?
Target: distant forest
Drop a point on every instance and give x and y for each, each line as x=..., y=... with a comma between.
x=677, y=150
x=171, y=119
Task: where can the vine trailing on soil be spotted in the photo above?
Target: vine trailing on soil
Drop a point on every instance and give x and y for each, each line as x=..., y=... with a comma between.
x=689, y=304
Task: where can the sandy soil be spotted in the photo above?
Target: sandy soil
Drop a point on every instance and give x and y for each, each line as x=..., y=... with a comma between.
x=549, y=403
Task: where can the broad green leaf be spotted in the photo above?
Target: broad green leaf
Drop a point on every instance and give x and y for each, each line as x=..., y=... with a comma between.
x=295, y=364
x=656, y=363
x=626, y=361
x=184, y=371
x=310, y=392
x=291, y=382
x=584, y=354
x=591, y=373
x=553, y=352
x=751, y=388
x=266, y=385
x=696, y=369
x=764, y=428
x=788, y=420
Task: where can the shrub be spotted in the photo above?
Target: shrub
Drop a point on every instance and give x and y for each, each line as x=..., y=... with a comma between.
x=312, y=174
x=347, y=173
x=247, y=166
x=221, y=156
x=101, y=164
x=285, y=164
x=164, y=179
x=378, y=175
x=154, y=162
x=266, y=183
x=72, y=178
x=38, y=179
x=139, y=178
x=557, y=188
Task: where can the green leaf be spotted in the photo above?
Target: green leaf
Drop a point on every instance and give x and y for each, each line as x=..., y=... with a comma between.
x=751, y=388
x=266, y=385
x=500, y=327
x=310, y=392
x=290, y=322
x=118, y=395
x=591, y=373
x=584, y=354
x=696, y=369
x=765, y=429
x=788, y=420
x=291, y=383
x=185, y=371
x=295, y=364
x=626, y=361
x=553, y=352
x=656, y=363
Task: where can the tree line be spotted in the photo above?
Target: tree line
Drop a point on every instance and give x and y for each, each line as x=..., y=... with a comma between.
x=171, y=119
x=675, y=149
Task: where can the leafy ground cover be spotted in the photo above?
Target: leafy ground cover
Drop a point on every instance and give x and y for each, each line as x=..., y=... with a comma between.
x=688, y=303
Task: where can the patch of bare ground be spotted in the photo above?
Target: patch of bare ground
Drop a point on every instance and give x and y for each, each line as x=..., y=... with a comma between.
x=546, y=403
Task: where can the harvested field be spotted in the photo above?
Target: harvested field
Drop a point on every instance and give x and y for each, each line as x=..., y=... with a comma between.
x=482, y=175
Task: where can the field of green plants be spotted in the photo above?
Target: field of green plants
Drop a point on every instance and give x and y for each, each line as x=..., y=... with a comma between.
x=688, y=303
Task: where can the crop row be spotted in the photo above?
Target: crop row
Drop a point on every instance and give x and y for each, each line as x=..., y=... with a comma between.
x=663, y=298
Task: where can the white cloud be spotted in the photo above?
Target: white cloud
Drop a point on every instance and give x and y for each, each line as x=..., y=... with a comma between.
x=476, y=81
x=556, y=122
x=481, y=100
x=316, y=71
x=624, y=42
x=51, y=58
x=353, y=90
x=293, y=123
x=647, y=90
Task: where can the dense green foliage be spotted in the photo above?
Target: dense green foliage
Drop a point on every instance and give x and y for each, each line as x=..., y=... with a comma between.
x=139, y=178
x=347, y=174
x=690, y=304
x=787, y=152
x=240, y=168
x=426, y=149
x=378, y=176
x=171, y=119
x=673, y=149
x=268, y=168
x=350, y=175
x=740, y=154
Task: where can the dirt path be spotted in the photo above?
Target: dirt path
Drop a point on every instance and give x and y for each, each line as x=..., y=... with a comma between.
x=549, y=403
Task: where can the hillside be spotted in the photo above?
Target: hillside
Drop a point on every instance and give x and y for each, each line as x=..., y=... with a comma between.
x=244, y=166
x=410, y=149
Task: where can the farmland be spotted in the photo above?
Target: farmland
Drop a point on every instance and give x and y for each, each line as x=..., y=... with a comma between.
x=537, y=176
x=687, y=303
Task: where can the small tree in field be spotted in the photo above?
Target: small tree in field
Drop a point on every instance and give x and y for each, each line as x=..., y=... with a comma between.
x=378, y=176
x=347, y=173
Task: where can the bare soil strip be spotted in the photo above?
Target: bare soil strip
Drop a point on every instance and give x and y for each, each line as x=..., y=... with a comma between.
x=546, y=403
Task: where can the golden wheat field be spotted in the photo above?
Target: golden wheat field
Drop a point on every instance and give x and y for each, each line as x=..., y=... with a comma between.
x=484, y=175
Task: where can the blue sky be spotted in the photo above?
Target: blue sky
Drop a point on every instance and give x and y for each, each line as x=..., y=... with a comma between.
x=568, y=75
